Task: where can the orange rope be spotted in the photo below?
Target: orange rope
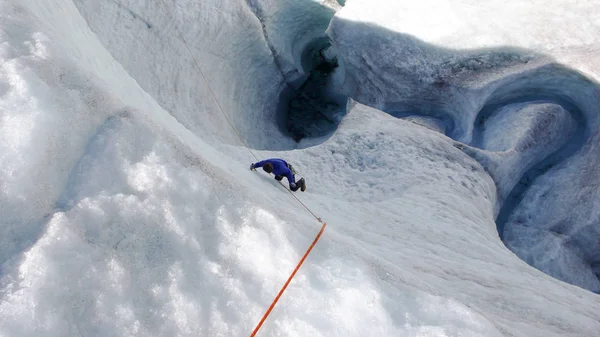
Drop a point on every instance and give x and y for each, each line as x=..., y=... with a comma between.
x=288, y=281
x=252, y=153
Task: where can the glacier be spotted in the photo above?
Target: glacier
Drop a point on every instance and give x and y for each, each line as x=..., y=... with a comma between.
x=128, y=209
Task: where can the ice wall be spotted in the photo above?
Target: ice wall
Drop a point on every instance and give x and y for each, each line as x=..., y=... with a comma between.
x=170, y=47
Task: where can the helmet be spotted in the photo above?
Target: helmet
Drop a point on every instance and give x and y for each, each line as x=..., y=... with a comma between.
x=268, y=167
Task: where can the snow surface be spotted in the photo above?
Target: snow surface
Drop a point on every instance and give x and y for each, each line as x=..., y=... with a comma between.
x=128, y=208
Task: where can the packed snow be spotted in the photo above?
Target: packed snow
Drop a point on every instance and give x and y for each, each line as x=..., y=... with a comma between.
x=128, y=208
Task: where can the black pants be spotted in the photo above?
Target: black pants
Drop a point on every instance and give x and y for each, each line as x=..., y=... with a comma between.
x=293, y=188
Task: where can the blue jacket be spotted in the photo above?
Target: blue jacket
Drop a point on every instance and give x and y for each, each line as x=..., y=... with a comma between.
x=280, y=168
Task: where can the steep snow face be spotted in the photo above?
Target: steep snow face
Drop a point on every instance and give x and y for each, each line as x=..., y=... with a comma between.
x=495, y=82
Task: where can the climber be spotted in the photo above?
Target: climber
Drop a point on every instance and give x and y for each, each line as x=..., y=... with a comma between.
x=280, y=168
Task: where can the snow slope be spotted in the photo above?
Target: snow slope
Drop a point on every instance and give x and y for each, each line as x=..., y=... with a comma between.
x=128, y=209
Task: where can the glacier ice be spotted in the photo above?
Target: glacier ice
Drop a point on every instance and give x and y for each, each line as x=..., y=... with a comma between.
x=128, y=208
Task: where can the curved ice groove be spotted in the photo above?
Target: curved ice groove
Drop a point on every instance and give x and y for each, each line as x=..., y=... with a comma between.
x=551, y=83
x=572, y=258
x=513, y=198
x=550, y=88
